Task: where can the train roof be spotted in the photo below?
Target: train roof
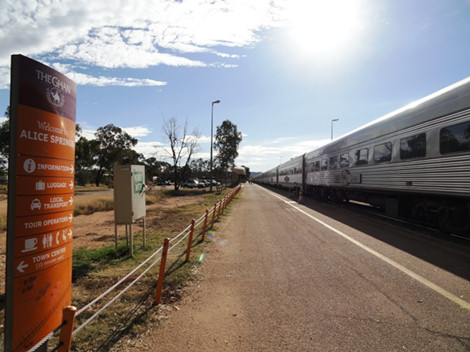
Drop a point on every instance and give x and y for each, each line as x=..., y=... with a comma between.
x=292, y=161
x=453, y=98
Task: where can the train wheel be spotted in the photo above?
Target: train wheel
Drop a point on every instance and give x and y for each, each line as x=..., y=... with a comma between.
x=420, y=212
x=455, y=218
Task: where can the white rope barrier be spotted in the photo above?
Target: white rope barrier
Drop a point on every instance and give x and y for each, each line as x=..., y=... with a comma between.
x=115, y=297
x=180, y=234
x=184, y=234
x=117, y=283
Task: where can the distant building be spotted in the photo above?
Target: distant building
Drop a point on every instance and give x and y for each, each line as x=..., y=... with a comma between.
x=238, y=175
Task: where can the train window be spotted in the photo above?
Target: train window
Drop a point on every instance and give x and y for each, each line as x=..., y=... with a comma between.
x=333, y=162
x=310, y=167
x=455, y=138
x=413, y=146
x=324, y=164
x=317, y=165
x=362, y=156
x=344, y=160
x=383, y=152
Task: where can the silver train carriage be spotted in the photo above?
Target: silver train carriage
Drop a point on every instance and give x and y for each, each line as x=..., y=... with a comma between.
x=413, y=162
x=289, y=174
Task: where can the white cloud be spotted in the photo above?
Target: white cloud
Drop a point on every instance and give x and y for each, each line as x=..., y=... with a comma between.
x=137, y=131
x=88, y=134
x=150, y=149
x=267, y=155
x=134, y=131
x=137, y=34
x=204, y=139
x=100, y=81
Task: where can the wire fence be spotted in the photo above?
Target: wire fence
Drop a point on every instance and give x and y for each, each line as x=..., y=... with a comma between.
x=200, y=226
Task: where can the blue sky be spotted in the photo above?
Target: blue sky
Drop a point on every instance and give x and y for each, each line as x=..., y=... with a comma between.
x=283, y=69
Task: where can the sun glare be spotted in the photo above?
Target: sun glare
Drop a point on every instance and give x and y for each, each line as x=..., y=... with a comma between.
x=323, y=27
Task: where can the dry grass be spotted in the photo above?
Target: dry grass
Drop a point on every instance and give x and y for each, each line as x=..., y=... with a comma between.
x=94, y=270
x=134, y=312
x=90, y=203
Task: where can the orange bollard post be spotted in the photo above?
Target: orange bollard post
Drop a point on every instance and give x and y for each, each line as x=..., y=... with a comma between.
x=161, y=274
x=213, y=215
x=65, y=337
x=190, y=240
x=222, y=205
x=218, y=213
x=204, y=227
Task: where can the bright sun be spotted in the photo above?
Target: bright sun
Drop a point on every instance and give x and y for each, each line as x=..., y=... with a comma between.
x=323, y=27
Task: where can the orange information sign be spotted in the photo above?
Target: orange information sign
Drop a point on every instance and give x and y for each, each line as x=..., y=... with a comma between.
x=40, y=203
x=44, y=185
x=36, y=204
x=41, y=242
x=29, y=225
x=44, y=134
x=35, y=263
x=29, y=165
x=40, y=302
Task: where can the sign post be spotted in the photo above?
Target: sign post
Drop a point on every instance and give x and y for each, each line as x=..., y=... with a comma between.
x=40, y=202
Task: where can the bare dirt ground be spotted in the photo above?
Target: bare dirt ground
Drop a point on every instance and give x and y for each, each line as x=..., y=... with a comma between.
x=97, y=230
x=211, y=315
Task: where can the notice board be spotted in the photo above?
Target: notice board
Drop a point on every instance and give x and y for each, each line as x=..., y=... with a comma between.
x=129, y=193
x=40, y=202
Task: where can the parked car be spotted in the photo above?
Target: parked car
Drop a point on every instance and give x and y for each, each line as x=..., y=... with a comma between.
x=205, y=182
x=163, y=183
x=191, y=183
x=215, y=183
x=201, y=183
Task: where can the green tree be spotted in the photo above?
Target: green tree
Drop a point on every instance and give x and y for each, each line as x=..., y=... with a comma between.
x=227, y=140
x=248, y=172
x=115, y=147
x=85, y=156
x=199, y=167
x=5, y=140
x=157, y=168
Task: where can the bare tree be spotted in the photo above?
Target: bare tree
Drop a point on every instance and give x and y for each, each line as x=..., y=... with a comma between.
x=182, y=147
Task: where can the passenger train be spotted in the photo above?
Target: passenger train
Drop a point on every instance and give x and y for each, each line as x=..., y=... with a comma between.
x=412, y=163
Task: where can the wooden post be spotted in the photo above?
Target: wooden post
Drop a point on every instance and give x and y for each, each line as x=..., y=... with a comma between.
x=190, y=240
x=131, y=241
x=65, y=337
x=213, y=215
x=204, y=227
x=161, y=274
x=115, y=237
x=218, y=213
x=144, y=239
x=225, y=204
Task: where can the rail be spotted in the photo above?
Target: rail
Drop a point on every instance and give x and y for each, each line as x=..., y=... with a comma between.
x=71, y=313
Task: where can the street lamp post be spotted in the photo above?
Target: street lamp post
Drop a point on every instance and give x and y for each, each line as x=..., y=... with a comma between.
x=212, y=124
x=334, y=120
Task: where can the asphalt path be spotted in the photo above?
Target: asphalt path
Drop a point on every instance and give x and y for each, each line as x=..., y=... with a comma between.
x=292, y=277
